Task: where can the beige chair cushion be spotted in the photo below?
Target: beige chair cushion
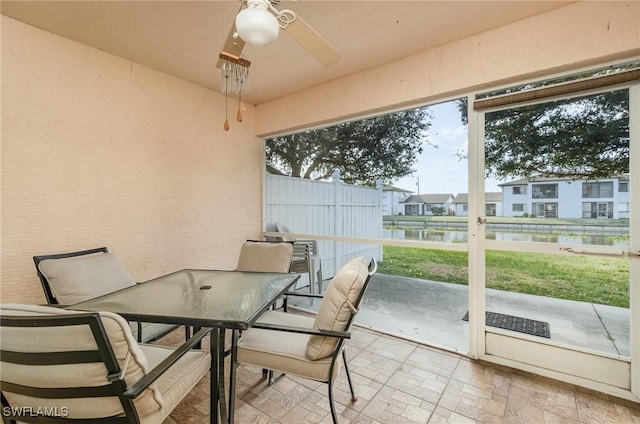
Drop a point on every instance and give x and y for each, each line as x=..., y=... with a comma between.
x=77, y=279
x=70, y=338
x=256, y=256
x=336, y=307
x=153, y=405
x=283, y=351
x=178, y=381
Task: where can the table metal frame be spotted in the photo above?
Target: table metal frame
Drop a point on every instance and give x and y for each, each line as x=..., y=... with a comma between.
x=140, y=303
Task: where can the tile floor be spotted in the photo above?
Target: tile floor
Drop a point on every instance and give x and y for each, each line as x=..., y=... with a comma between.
x=400, y=382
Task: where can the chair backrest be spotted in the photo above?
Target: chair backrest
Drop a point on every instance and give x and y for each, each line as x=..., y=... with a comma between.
x=283, y=229
x=301, y=261
x=69, y=278
x=265, y=256
x=52, y=360
x=302, y=248
x=340, y=305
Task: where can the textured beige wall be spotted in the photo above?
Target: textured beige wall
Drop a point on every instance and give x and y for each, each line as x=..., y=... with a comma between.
x=97, y=150
x=574, y=36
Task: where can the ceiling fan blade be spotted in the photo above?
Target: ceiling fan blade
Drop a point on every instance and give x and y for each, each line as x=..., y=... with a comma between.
x=232, y=45
x=312, y=42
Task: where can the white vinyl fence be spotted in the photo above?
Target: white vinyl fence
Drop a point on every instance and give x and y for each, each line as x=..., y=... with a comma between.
x=326, y=209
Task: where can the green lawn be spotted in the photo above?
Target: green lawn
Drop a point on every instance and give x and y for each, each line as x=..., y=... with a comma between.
x=603, y=281
x=513, y=220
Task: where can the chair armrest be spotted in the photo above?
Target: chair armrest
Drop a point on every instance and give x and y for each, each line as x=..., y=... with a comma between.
x=319, y=296
x=302, y=241
x=302, y=330
x=313, y=245
x=144, y=383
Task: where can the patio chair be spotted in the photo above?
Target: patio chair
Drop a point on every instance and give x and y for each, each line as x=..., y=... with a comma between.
x=306, y=347
x=306, y=258
x=70, y=278
x=60, y=366
x=265, y=256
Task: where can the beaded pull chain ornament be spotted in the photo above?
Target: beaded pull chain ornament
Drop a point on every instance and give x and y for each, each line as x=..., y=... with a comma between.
x=235, y=80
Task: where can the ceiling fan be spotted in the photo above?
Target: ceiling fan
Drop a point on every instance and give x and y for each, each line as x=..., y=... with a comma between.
x=259, y=24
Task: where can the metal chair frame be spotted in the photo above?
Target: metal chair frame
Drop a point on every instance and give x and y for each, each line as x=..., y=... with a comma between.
x=341, y=335
x=48, y=293
x=51, y=299
x=303, y=258
x=103, y=353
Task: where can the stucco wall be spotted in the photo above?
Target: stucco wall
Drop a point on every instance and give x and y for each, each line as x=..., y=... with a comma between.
x=97, y=150
x=571, y=37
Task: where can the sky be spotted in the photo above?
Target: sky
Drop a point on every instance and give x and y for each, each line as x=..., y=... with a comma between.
x=438, y=169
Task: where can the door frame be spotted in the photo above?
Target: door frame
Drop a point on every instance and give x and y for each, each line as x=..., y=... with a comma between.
x=611, y=374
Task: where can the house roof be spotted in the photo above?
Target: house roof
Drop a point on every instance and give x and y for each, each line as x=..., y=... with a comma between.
x=524, y=181
x=491, y=196
x=392, y=188
x=429, y=198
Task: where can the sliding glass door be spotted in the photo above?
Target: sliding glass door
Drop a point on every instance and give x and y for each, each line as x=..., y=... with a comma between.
x=557, y=287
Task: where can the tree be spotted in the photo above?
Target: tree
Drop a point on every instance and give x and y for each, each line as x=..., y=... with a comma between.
x=582, y=138
x=383, y=148
x=437, y=210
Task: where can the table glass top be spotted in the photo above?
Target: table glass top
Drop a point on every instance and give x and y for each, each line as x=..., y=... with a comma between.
x=196, y=297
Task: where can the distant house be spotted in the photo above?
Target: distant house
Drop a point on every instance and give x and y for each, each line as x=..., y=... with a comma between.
x=392, y=197
x=426, y=204
x=492, y=204
x=546, y=197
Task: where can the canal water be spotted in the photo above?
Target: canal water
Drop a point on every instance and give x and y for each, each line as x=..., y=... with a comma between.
x=460, y=236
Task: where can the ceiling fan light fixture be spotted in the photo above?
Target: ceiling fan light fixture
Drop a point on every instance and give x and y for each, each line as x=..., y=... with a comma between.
x=256, y=25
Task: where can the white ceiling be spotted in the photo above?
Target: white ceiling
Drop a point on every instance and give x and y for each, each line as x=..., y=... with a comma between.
x=183, y=38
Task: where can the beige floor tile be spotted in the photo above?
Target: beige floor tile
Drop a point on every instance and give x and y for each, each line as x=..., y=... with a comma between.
x=483, y=377
x=552, y=400
x=438, y=362
x=520, y=412
x=593, y=409
x=444, y=416
x=400, y=382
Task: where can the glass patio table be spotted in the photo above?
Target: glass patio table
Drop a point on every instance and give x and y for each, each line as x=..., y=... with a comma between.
x=220, y=300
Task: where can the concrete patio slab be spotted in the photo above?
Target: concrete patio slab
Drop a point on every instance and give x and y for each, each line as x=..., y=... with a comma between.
x=431, y=312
